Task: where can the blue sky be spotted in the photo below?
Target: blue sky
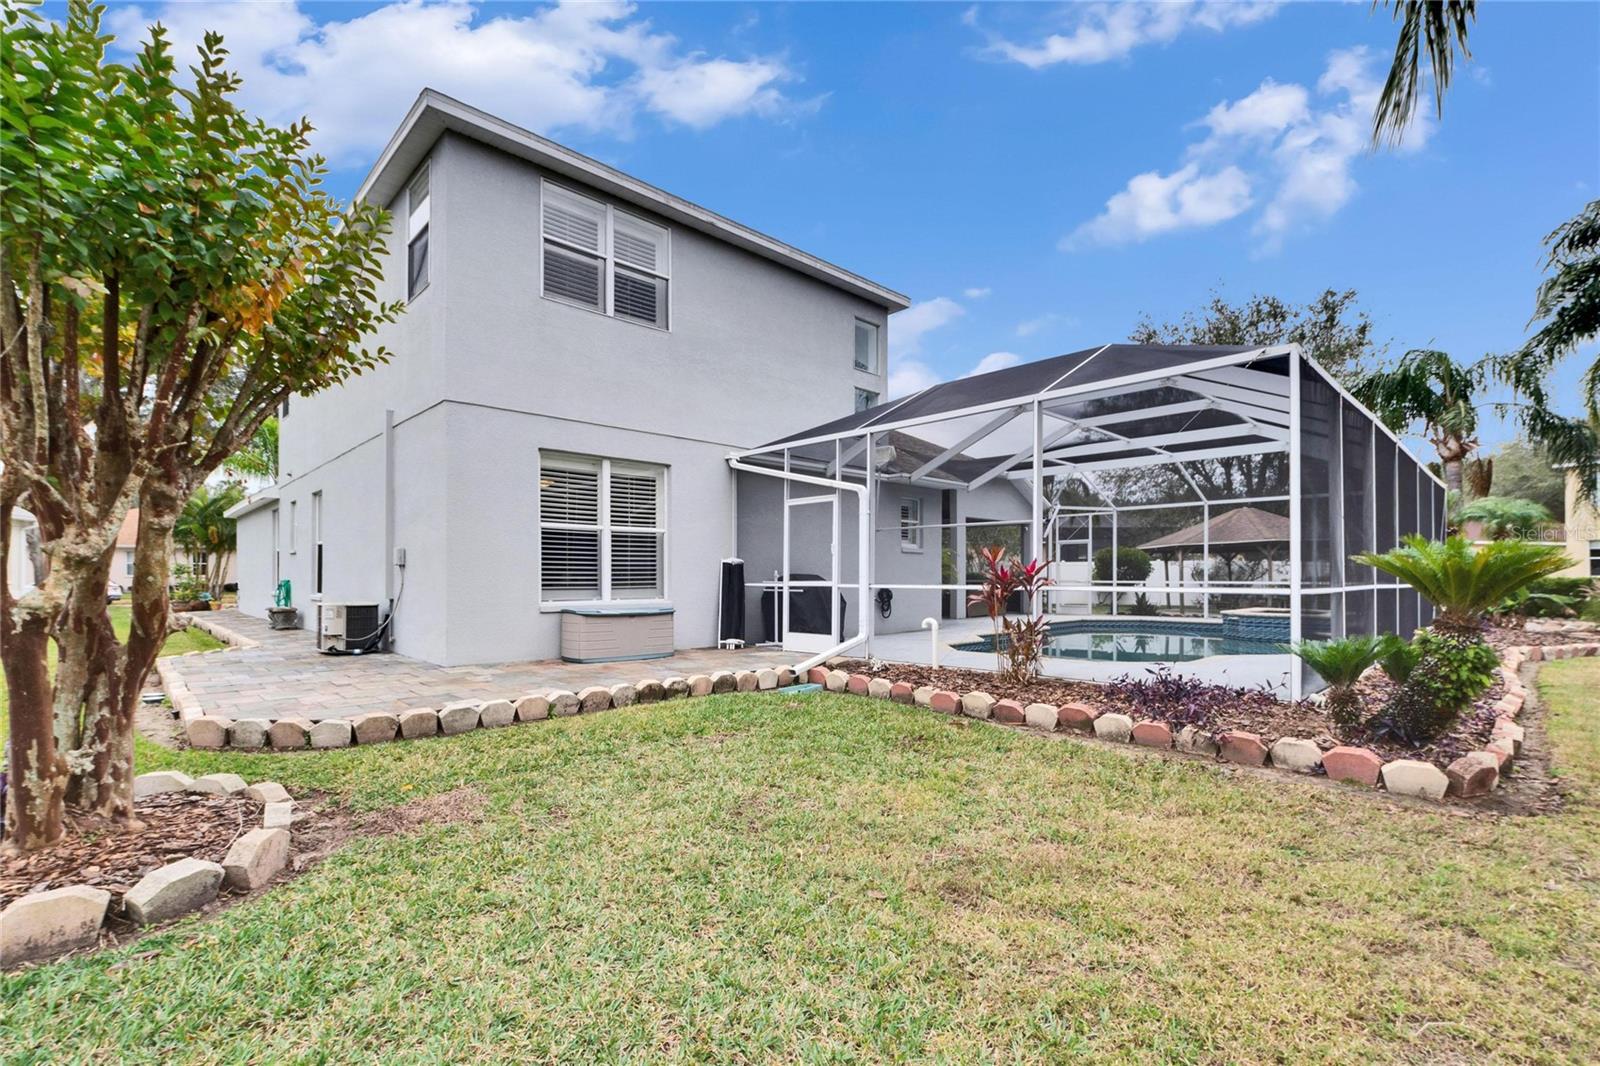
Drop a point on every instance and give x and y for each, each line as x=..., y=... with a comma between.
x=1035, y=177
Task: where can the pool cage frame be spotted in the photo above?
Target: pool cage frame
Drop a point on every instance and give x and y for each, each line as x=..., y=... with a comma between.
x=1349, y=484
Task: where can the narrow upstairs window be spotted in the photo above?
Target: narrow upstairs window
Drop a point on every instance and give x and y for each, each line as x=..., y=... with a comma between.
x=417, y=234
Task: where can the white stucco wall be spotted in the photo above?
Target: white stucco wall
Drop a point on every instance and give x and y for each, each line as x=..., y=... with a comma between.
x=485, y=372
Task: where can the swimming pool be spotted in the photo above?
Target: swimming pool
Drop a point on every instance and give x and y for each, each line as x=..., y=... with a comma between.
x=1137, y=640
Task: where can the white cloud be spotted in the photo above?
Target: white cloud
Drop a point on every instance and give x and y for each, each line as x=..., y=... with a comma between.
x=1096, y=33
x=1296, y=147
x=994, y=361
x=976, y=293
x=906, y=328
x=1264, y=113
x=1153, y=203
x=907, y=372
x=593, y=66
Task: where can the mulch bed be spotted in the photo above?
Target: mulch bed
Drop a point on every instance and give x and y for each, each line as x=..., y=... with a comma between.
x=176, y=825
x=1253, y=710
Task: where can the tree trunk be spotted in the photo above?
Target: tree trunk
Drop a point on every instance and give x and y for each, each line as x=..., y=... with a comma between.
x=37, y=778
x=105, y=777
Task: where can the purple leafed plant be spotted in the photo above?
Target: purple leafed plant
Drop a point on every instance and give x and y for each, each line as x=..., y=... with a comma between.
x=1173, y=698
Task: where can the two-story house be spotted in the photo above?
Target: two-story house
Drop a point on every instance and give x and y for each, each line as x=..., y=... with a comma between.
x=580, y=352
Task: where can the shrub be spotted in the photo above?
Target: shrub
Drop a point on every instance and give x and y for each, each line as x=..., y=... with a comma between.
x=1341, y=663
x=1549, y=597
x=1133, y=565
x=1018, y=641
x=1451, y=670
x=1504, y=516
x=1397, y=657
x=1142, y=606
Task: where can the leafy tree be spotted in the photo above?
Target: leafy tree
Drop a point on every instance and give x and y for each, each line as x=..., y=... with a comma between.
x=1341, y=663
x=1503, y=516
x=1429, y=389
x=1524, y=469
x=1568, y=309
x=259, y=456
x=203, y=527
x=1434, y=29
x=170, y=270
x=1331, y=328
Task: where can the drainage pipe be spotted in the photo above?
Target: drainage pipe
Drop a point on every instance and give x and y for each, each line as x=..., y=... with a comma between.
x=863, y=547
x=933, y=624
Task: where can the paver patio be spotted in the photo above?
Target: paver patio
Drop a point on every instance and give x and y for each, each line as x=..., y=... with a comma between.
x=285, y=675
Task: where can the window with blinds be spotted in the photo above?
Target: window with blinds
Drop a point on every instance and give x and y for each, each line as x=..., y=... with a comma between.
x=604, y=259
x=910, y=524
x=601, y=529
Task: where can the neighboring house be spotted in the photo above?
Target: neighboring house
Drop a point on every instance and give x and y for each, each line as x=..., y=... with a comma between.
x=579, y=354
x=127, y=540
x=1583, y=531
x=22, y=552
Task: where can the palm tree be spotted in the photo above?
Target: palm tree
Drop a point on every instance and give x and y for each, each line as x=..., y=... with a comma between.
x=203, y=526
x=1503, y=516
x=1429, y=387
x=1341, y=663
x=1464, y=583
x=1568, y=305
x=1435, y=29
x=260, y=456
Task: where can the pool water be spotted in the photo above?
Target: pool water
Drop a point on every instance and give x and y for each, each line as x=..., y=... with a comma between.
x=1142, y=640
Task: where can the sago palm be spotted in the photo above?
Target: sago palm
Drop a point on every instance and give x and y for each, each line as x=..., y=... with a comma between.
x=1341, y=663
x=1463, y=582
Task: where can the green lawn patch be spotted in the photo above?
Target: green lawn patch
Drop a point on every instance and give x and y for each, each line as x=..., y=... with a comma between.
x=827, y=878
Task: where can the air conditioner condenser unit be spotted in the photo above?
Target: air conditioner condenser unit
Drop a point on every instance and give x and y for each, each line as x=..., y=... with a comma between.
x=348, y=628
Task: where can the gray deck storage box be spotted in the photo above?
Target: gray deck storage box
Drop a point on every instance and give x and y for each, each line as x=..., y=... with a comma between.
x=615, y=634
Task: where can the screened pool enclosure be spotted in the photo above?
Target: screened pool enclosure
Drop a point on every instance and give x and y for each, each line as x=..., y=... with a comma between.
x=1195, y=505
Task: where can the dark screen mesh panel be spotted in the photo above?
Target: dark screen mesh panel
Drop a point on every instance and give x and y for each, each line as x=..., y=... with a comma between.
x=1388, y=611
x=1383, y=494
x=1406, y=498
x=1409, y=601
x=1357, y=484
x=1319, y=510
x=1438, y=510
x=1358, y=607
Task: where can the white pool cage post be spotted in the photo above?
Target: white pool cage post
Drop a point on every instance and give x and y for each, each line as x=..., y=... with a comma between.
x=1296, y=517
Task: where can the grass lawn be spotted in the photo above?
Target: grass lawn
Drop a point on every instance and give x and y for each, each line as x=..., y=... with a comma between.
x=754, y=877
x=121, y=621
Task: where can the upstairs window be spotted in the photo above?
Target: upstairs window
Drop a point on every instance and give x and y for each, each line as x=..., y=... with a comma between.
x=417, y=234
x=865, y=398
x=866, y=346
x=602, y=529
x=604, y=259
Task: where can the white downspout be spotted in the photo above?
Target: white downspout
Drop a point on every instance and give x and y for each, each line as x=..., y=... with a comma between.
x=863, y=535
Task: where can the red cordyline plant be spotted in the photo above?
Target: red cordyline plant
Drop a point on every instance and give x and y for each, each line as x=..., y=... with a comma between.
x=1017, y=655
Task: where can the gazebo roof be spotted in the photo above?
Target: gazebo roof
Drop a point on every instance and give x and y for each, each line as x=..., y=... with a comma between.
x=1235, y=528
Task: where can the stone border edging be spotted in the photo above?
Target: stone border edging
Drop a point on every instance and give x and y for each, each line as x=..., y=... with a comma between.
x=43, y=925
x=1471, y=776
x=298, y=732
